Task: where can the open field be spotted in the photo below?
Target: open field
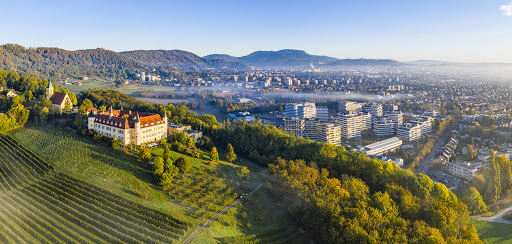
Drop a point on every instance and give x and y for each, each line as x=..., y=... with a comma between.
x=135, y=89
x=38, y=205
x=92, y=83
x=493, y=232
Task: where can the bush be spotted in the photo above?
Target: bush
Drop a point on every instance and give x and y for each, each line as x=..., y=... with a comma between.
x=183, y=164
x=197, y=154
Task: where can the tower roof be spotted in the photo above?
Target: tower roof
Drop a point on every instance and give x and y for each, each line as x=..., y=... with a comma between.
x=91, y=114
x=50, y=86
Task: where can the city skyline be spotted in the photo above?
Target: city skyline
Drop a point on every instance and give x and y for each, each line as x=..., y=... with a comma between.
x=460, y=31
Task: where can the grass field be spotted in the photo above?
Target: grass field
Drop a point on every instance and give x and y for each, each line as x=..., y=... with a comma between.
x=193, y=197
x=92, y=83
x=134, y=89
x=38, y=205
x=492, y=232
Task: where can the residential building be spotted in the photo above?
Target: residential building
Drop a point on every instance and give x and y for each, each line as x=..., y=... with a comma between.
x=373, y=108
x=395, y=116
x=383, y=127
x=322, y=113
x=389, y=107
x=353, y=123
x=348, y=106
x=329, y=133
x=129, y=127
x=243, y=116
x=12, y=93
x=466, y=170
x=310, y=126
x=306, y=110
x=295, y=125
x=416, y=128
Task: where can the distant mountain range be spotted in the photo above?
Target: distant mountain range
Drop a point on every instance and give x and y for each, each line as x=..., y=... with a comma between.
x=55, y=62
x=289, y=58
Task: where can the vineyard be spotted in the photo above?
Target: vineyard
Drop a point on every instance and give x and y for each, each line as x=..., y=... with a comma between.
x=38, y=205
x=204, y=192
x=76, y=156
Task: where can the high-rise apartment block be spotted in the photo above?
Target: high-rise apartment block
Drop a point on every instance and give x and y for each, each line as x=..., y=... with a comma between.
x=329, y=133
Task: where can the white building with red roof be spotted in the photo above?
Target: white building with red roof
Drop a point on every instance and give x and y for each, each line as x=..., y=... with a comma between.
x=128, y=126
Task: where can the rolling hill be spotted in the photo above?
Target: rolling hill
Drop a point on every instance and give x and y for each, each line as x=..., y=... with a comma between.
x=180, y=59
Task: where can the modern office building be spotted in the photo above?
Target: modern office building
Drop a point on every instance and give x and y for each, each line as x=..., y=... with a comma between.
x=303, y=110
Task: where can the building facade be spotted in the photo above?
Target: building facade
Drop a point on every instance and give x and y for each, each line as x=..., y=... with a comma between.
x=329, y=133
x=129, y=127
x=295, y=125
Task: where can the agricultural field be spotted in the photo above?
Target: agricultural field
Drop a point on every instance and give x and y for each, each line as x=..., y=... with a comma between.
x=493, y=232
x=193, y=197
x=92, y=83
x=39, y=205
x=78, y=157
x=137, y=88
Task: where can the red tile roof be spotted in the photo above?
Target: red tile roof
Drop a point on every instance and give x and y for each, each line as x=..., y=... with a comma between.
x=58, y=98
x=117, y=120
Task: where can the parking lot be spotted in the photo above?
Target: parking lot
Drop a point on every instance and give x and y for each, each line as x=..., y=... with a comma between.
x=451, y=182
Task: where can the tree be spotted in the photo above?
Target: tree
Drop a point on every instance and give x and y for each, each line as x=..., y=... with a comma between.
x=230, y=153
x=158, y=166
x=214, y=155
x=103, y=108
x=86, y=103
x=72, y=97
x=183, y=164
x=43, y=114
x=67, y=106
x=197, y=154
x=243, y=172
x=472, y=198
x=167, y=152
x=144, y=155
x=470, y=152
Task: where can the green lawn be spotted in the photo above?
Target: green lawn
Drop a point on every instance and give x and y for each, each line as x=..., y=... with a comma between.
x=492, y=232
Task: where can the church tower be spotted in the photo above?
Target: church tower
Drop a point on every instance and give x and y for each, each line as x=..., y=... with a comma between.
x=49, y=91
x=138, y=135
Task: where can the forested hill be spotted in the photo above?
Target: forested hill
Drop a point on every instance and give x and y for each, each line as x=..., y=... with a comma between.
x=55, y=63
x=180, y=59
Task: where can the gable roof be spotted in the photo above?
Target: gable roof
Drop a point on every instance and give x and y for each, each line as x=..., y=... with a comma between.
x=117, y=120
x=58, y=98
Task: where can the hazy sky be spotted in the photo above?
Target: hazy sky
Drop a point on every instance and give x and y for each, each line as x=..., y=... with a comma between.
x=451, y=30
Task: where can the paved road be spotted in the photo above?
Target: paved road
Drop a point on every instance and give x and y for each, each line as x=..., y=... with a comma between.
x=497, y=217
x=429, y=159
x=189, y=239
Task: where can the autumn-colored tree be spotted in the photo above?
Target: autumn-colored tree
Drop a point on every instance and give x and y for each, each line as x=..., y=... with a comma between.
x=230, y=153
x=214, y=155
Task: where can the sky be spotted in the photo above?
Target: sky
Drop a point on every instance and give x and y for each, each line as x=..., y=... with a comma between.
x=405, y=30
